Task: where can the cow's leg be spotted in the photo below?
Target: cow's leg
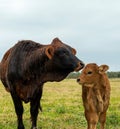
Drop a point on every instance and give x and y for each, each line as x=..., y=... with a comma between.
x=102, y=120
x=34, y=108
x=19, y=109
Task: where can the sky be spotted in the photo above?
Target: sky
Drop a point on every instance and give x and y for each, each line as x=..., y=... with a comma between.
x=92, y=27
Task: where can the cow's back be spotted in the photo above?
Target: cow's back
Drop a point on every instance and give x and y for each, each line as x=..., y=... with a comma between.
x=4, y=67
x=12, y=63
x=19, y=55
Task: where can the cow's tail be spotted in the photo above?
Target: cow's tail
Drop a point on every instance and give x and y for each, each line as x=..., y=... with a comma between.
x=40, y=107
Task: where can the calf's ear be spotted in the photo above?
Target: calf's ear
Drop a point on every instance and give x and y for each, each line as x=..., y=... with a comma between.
x=103, y=68
x=49, y=52
x=74, y=51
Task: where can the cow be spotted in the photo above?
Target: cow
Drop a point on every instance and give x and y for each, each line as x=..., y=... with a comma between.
x=27, y=65
x=95, y=94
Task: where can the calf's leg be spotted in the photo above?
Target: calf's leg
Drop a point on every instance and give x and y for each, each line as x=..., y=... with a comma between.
x=92, y=119
x=102, y=120
x=18, y=108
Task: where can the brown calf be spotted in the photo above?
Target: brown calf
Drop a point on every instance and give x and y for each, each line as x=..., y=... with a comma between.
x=95, y=94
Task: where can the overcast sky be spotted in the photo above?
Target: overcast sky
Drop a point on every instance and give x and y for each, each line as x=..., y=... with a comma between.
x=90, y=26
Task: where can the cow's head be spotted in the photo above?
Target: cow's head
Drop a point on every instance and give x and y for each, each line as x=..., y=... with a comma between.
x=92, y=74
x=62, y=58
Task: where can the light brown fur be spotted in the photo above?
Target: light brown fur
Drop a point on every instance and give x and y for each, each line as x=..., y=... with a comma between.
x=95, y=94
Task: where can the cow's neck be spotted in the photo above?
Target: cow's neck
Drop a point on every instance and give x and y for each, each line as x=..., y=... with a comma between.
x=54, y=76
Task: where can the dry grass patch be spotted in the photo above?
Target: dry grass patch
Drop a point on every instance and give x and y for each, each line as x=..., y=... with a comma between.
x=62, y=107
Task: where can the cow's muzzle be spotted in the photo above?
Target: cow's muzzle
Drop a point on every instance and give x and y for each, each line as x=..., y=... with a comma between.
x=80, y=65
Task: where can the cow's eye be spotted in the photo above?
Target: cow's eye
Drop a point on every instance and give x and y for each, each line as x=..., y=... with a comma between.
x=64, y=53
x=90, y=72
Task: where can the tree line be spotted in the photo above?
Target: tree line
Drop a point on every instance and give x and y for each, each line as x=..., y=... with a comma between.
x=74, y=75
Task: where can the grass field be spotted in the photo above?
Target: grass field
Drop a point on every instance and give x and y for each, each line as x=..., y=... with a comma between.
x=62, y=107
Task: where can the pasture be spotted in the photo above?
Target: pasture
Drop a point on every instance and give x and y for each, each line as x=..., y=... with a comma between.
x=62, y=107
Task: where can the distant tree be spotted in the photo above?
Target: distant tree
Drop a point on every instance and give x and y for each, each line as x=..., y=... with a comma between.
x=75, y=75
x=113, y=74
x=119, y=75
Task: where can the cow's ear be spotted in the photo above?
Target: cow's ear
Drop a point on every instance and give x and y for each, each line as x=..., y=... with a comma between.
x=103, y=68
x=74, y=51
x=49, y=52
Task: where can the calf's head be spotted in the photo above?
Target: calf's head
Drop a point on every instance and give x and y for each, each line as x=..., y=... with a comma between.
x=91, y=74
x=62, y=57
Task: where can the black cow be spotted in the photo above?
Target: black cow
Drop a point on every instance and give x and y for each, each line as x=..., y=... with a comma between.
x=28, y=65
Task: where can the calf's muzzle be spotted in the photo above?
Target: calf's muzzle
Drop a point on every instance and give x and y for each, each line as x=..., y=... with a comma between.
x=78, y=80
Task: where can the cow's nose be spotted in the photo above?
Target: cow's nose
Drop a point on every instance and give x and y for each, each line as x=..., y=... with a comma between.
x=78, y=80
x=82, y=64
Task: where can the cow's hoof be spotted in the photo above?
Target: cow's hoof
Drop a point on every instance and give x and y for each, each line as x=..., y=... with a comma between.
x=34, y=128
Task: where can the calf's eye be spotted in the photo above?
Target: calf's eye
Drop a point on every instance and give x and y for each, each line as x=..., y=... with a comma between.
x=89, y=72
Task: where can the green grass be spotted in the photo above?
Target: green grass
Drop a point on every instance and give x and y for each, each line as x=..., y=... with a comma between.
x=62, y=107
